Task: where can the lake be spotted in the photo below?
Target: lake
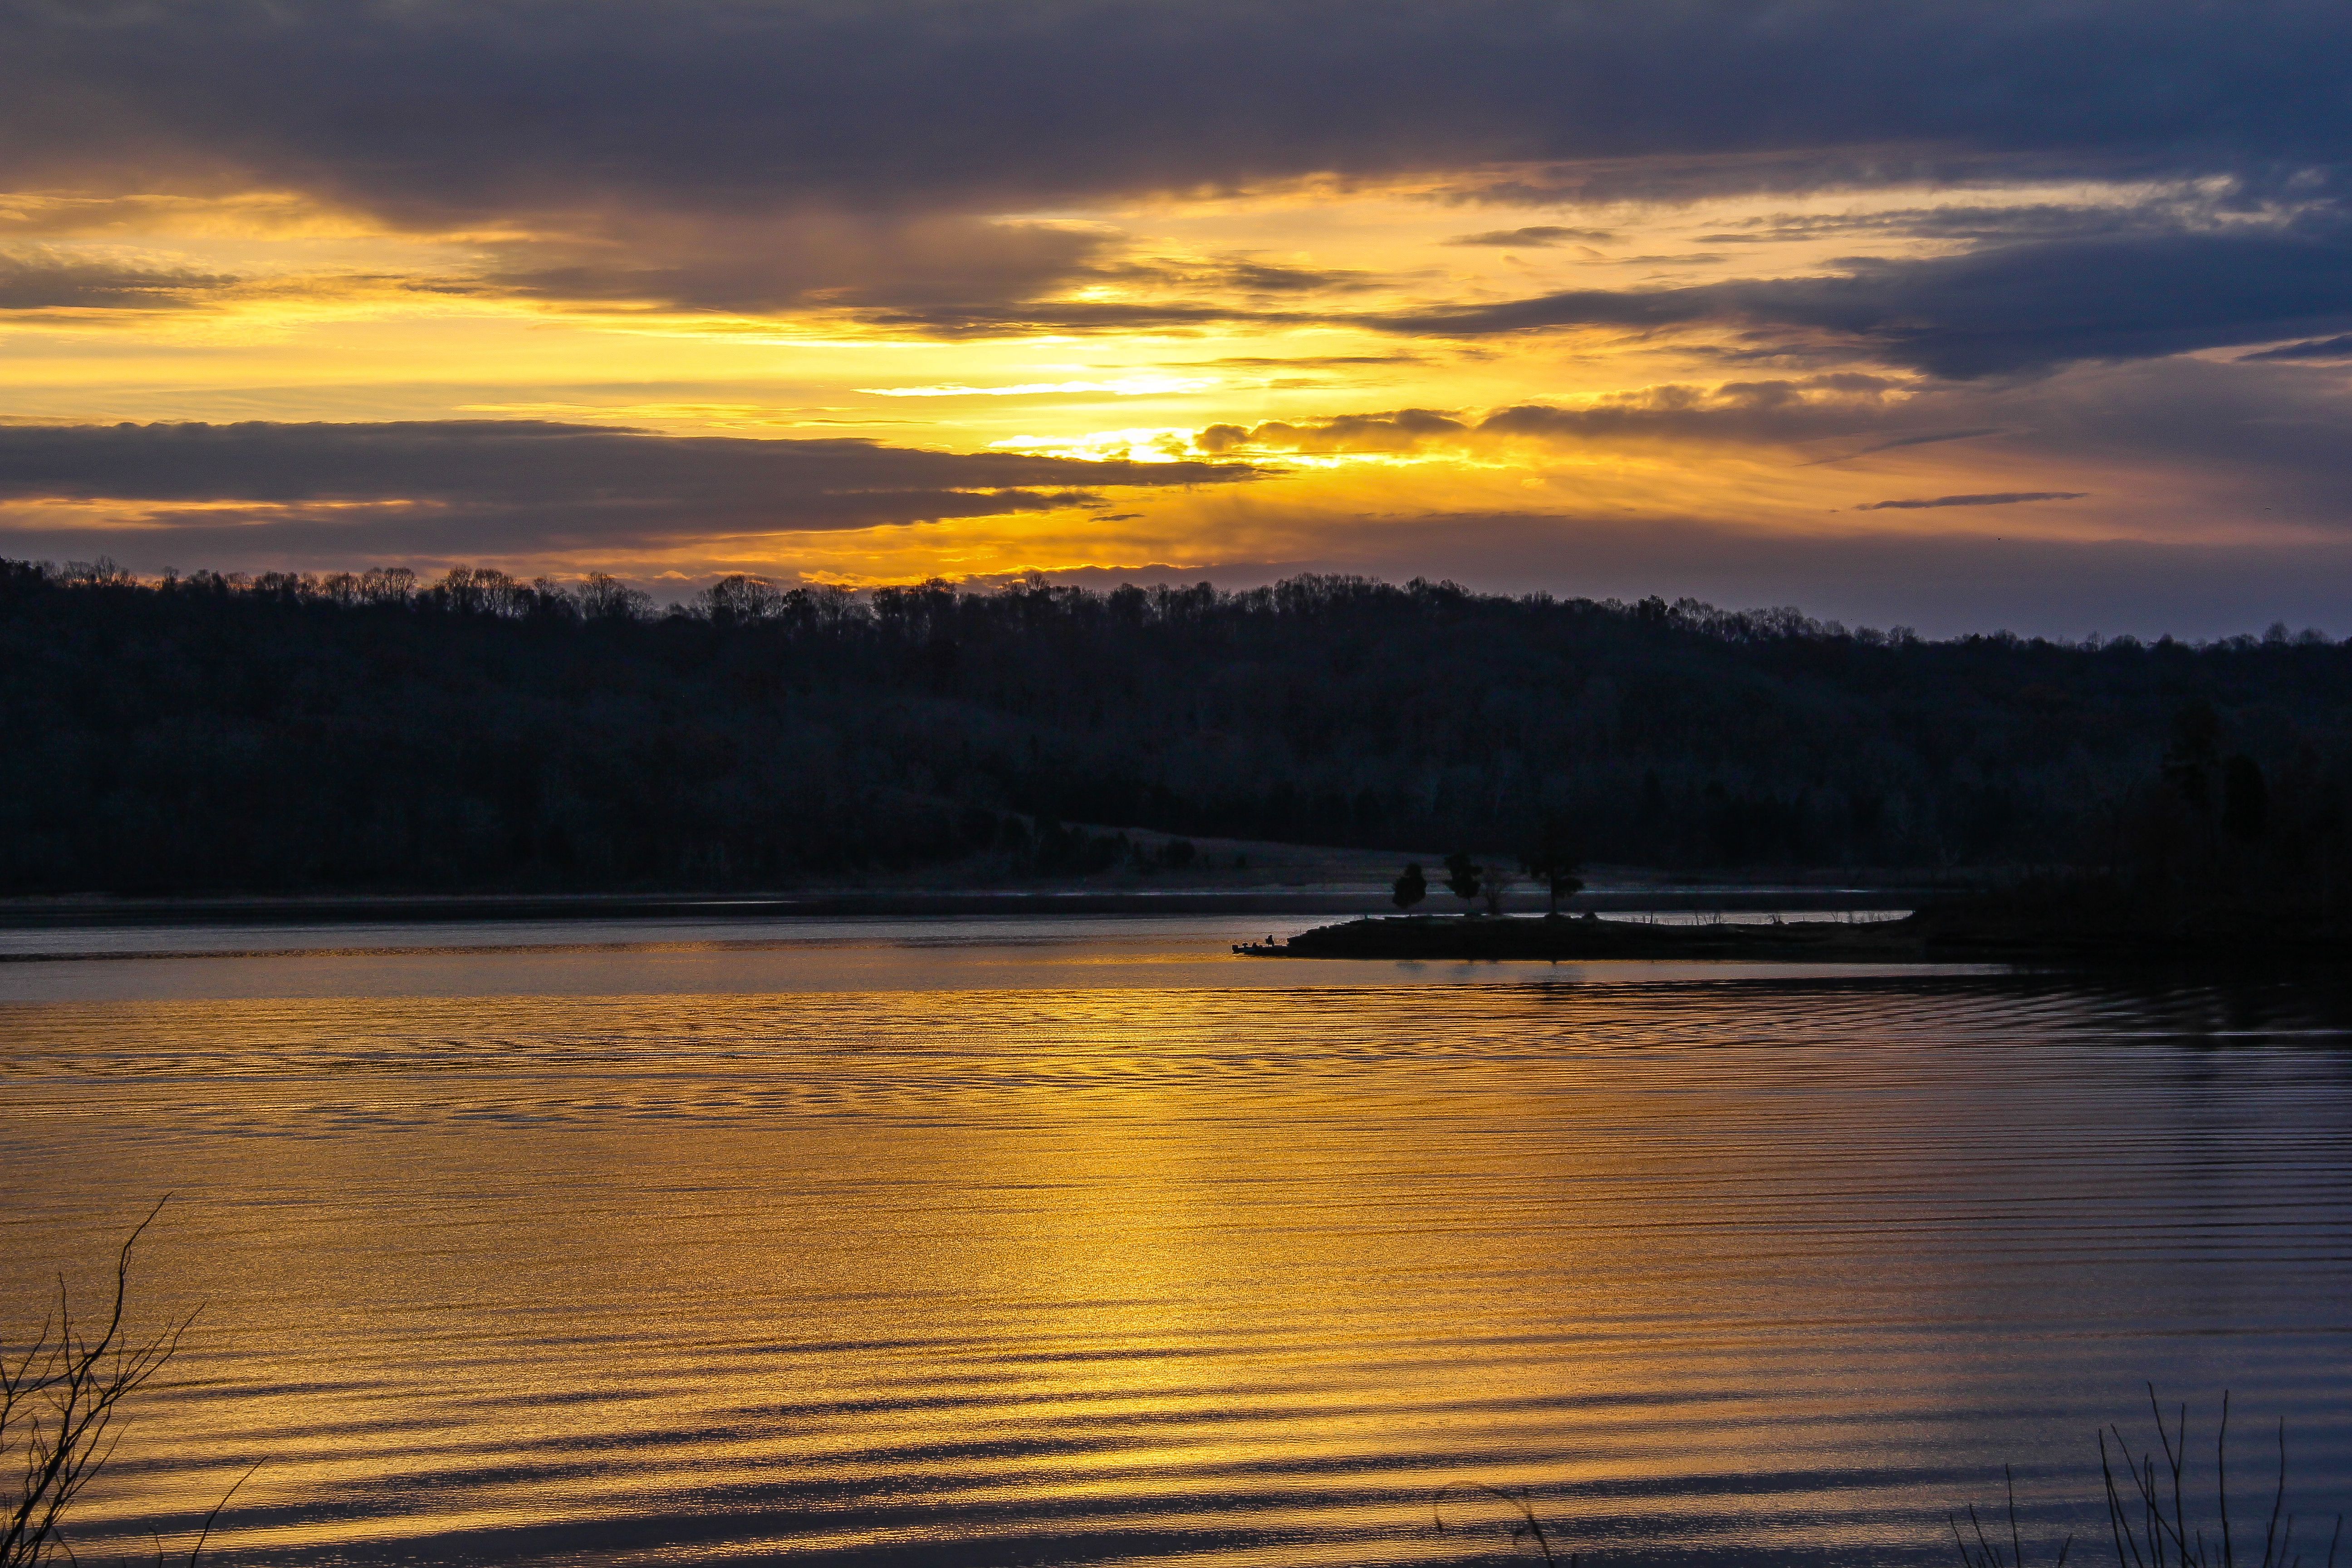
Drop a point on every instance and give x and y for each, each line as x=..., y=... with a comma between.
x=1079, y=1240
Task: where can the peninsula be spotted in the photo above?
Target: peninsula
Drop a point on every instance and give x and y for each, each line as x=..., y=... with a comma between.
x=1970, y=931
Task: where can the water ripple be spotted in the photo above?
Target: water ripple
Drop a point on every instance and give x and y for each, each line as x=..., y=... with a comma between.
x=1762, y=1269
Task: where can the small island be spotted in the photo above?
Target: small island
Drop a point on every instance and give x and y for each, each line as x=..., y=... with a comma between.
x=2198, y=887
x=1560, y=937
x=2227, y=914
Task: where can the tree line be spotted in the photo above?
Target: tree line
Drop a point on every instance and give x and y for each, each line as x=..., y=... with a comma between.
x=375, y=730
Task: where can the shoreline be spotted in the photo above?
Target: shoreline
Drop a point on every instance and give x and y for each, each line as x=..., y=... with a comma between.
x=1319, y=898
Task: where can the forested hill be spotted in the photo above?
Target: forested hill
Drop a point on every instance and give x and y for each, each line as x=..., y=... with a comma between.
x=216, y=733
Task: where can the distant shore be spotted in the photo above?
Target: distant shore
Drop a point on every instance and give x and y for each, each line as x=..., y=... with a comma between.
x=1306, y=898
x=1763, y=923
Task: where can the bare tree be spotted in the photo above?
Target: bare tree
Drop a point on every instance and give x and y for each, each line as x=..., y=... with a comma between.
x=60, y=1397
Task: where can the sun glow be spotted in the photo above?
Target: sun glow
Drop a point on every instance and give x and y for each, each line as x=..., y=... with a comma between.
x=1327, y=334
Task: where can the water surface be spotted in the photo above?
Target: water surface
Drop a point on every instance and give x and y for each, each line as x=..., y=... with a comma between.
x=974, y=1242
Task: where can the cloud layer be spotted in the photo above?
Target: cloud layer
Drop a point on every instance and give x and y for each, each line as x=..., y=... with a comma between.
x=1773, y=267
x=1996, y=497
x=2005, y=308
x=416, y=107
x=500, y=487
x=788, y=155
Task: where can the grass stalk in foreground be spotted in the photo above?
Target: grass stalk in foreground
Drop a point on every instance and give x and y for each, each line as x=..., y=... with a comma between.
x=2149, y=1516
x=1986, y=1552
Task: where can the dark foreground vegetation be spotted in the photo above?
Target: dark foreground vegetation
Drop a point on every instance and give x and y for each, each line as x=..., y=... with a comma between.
x=284, y=733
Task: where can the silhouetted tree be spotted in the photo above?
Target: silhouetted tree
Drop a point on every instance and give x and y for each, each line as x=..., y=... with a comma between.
x=1553, y=861
x=603, y=598
x=1463, y=877
x=1408, y=889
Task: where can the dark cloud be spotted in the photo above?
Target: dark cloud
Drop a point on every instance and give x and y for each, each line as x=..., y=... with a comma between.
x=1270, y=278
x=1403, y=431
x=1774, y=412
x=1996, y=497
x=2158, y=215
x=965, y=273
x=987, y=319
x=424, y=110
x=1759, y=411
x=1927, y=439
x=2338, y=347
x=43, y=280
x=1536, y=238
x=2006, y=308
x=2164, y=173
x=434, y=107
x=509, y=486
x=2247, y=439
x=2267, y=434
x=789, y=155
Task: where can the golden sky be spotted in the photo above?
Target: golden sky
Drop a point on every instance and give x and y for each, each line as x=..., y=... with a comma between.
x=1451, y=292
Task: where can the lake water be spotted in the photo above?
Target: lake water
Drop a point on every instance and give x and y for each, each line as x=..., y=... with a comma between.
x=1083, y=1241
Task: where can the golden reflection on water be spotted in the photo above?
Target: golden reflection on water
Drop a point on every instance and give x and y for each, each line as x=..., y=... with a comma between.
x=1251, y=1277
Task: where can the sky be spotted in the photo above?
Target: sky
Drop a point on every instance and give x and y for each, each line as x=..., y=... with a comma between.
x=2022, y=313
